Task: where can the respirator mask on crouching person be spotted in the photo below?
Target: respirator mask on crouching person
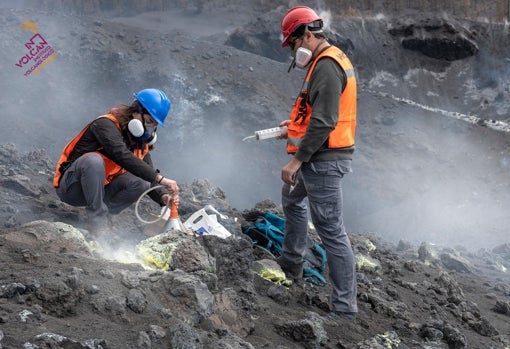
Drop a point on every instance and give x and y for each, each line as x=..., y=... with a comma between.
x=141, y=133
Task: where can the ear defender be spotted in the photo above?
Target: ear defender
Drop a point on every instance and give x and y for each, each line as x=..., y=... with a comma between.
x=136, y=128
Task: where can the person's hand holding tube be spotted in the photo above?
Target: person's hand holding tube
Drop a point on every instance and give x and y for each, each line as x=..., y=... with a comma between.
x=172, y=188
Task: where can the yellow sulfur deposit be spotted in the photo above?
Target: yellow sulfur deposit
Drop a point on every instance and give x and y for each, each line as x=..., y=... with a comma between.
x=154, y=255
x=363, y=262
x=278, y=277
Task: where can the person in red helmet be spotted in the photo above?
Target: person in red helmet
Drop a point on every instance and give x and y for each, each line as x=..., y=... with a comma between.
x=320, y=139
x=107, y=166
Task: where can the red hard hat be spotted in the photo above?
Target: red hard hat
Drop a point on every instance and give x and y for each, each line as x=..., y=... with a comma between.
x=294, y=18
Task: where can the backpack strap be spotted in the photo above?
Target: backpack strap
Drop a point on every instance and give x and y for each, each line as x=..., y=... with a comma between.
x=266, y=235
x=313, y=276
x=273, y=234
x=274, y=219
x=258, y=237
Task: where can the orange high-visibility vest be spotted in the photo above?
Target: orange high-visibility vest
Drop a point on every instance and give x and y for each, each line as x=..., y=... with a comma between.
x=344, y=132
x=111, y=168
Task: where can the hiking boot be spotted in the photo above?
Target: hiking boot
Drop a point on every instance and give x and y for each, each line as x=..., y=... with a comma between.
x=292, y=271
x=337, y=314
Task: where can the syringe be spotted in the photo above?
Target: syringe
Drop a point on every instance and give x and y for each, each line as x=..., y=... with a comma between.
x=268, y=133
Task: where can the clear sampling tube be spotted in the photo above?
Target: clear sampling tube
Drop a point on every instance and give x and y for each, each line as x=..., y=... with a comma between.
x=268, y=133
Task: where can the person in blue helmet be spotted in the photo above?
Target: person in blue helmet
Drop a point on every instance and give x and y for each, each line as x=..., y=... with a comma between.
x=107, y=166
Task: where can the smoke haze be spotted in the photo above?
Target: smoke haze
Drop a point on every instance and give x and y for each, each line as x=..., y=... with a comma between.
x=419, y=173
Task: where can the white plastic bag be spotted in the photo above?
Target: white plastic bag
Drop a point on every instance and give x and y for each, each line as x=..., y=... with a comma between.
x=203, y=223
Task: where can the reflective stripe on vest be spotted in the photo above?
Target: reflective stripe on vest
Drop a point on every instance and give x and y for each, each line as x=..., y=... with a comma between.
x=343, y=134
x=111, y=168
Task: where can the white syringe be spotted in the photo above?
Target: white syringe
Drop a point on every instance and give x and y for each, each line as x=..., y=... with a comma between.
x=268, y=133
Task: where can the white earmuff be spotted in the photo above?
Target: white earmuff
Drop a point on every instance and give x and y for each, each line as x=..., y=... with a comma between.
x=136, y=128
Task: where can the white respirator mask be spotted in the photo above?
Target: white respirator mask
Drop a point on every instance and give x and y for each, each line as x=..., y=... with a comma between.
x=141, y=133
x=302, y=57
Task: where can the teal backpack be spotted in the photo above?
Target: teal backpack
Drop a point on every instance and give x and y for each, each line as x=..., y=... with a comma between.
x=267, y=232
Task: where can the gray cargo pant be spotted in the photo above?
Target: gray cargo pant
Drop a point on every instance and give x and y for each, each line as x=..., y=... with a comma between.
x=321, y=183
x=83, y=185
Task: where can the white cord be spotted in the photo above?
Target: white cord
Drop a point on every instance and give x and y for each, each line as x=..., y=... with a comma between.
x=161, y=215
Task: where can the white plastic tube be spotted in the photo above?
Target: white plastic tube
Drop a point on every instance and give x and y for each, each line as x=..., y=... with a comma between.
x=163, y=211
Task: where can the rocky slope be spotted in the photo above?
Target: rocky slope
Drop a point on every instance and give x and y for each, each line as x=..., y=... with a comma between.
x=431, y=170
x=59, y=291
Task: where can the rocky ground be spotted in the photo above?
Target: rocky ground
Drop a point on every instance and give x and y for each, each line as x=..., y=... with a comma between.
x=426, y=207
x=59, y=291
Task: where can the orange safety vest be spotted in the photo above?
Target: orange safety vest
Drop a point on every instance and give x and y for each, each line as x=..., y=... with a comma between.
x=344, y=132
x=111, y=168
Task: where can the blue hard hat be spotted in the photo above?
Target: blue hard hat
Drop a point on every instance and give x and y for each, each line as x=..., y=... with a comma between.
x=156, y=102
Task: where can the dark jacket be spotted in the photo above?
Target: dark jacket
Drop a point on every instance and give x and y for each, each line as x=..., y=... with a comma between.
x=104, y=135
